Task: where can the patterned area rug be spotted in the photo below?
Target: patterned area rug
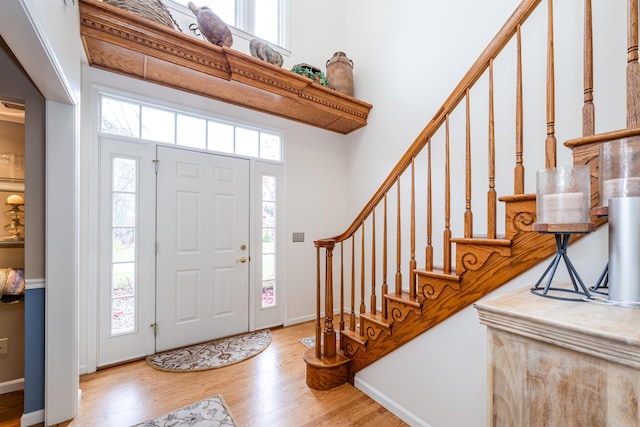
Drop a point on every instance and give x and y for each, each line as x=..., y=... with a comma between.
x=310, y=342
x=211, y=412
x=212, y=355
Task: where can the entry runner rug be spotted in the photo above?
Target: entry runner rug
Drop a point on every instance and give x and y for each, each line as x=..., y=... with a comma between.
x=210, y=412
x=213, y=354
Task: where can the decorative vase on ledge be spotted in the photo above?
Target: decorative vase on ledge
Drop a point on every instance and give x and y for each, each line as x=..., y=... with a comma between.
x=340, y=73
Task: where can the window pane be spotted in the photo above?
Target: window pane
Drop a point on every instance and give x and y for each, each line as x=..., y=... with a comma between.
x=270, y=146
x=269, y=188
x=220, y=137
x=247, y=142
x=124, y=210
x=225, y=9
x=158, y=125
x=123, y=298
x=268, y=240
x=124, y=174
x=268, y=214
x=124, y=244
x=266, y=20
x=268, y=293
x=123, y=280
x=192, y=132
x=268, y=267
x=120, y=118
x=122, y=315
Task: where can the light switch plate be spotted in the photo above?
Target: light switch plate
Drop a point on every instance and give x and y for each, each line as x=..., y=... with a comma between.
x=4, y=345
x=298, y=237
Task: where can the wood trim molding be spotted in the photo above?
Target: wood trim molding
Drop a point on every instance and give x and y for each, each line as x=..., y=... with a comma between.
x=124, y=43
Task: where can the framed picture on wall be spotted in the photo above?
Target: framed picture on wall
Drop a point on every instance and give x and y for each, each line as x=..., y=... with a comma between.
x=12, y=280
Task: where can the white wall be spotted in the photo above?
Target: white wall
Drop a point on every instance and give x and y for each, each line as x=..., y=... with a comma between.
x=407, y=59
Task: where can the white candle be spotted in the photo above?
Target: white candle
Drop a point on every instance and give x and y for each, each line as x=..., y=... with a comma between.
x=15, y=199
x=620, y=187
x=562, y=208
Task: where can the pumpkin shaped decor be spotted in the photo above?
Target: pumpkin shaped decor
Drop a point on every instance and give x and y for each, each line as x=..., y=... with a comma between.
x=212, y=26
x=262, y=50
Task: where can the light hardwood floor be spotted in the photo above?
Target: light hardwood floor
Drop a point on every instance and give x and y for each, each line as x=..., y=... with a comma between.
x=266, y=390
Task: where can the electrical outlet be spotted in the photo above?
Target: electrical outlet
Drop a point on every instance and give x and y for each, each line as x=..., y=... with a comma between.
x=4, y=345
x=298, y=237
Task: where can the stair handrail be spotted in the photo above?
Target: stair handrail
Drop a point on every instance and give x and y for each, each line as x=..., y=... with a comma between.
x=496, y=45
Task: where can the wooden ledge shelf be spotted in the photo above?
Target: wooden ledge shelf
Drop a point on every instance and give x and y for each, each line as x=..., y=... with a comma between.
x=124, y=43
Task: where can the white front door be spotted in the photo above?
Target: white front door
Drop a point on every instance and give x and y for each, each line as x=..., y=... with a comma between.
x=202, y=261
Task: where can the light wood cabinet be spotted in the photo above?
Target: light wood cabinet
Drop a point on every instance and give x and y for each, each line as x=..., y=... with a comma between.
x=561, y=363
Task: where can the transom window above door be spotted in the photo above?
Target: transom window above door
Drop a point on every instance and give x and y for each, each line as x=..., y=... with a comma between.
x=137, y=120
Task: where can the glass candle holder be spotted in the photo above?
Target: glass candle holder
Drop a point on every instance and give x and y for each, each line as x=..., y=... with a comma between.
x=619, y=169
x=563, y=195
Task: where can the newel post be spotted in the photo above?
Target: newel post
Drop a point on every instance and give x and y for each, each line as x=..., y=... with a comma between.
x=329, y=334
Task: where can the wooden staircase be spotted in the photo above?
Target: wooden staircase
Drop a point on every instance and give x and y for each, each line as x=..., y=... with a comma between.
x=482, y=264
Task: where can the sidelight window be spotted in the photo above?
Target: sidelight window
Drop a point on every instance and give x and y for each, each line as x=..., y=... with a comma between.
x=268, y=241
x=123, y=244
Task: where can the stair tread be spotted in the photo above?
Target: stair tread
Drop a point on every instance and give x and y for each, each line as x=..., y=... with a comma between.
x=377, y=319
x=405, y=298
x=601, y=137
x=354, y=336
x=482, y=241
x=518, y=197
x=439, y=274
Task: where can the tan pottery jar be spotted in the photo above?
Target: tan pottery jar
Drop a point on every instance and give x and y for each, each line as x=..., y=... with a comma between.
x=340, y=73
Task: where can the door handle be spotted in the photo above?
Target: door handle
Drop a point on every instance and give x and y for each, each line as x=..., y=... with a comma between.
x=243, y=260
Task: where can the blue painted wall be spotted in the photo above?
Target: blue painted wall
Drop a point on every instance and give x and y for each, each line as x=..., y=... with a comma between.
x=34, y=350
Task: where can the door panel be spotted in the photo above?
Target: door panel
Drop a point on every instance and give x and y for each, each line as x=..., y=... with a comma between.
x=126, y=282
x=202, y=285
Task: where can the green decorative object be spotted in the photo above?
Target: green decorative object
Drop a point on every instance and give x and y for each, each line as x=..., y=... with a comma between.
x=311, y=72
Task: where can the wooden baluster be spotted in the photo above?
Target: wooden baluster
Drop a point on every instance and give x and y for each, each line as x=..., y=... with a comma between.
x=385, y=286
x=352, y=317
x=550, y=143
x=318, y=287
x=633, y=68
x=468, y=215
x=588, y=109
x=329, y=333
x=447, y=204
x=412, y=261
x=341, y=289
x=374, y=308
x=398, y=246
x=362, y=306
x=518, y=174
x=491, y=194
x=428, y=253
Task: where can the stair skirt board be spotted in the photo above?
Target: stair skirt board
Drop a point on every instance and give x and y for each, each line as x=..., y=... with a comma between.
x=389, y=404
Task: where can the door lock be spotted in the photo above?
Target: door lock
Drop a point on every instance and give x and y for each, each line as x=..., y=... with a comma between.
x=243, y=247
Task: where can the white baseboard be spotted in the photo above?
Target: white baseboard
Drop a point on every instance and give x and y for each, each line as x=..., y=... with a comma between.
x=390, y=405
x=300, y=319
x=310, y=317
x=13, y=385
x=32, y=418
